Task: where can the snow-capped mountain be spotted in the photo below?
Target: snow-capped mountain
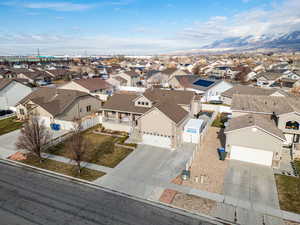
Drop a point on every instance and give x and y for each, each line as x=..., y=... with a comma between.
x=289, y=40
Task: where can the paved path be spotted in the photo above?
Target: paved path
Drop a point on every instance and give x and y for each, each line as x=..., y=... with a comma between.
x=29, y=198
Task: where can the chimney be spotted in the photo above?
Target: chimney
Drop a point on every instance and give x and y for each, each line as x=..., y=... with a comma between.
x=274, y=117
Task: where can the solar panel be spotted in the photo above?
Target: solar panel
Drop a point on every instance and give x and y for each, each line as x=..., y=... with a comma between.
x=203, y=83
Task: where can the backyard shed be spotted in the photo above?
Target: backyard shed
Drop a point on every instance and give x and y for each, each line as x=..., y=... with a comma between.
x=192, y=130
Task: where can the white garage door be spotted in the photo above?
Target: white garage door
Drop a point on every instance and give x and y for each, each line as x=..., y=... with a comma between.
x=251, y=155
x=159, y=141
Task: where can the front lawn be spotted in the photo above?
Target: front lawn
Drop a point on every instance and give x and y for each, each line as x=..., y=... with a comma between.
x=9, y=124
x=288, y=193
x=63, y=168
x=102, y=150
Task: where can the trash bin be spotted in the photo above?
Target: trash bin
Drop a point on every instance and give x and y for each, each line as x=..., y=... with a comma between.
x=185, y=175
x=223, y=155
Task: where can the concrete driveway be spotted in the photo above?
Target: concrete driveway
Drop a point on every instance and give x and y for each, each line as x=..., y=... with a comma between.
x=251, y=187
x=145, y=169
x=251, y=182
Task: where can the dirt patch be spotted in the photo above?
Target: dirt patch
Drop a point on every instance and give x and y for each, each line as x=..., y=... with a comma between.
x=18, y=156
x=194, y=203
x=207, y=171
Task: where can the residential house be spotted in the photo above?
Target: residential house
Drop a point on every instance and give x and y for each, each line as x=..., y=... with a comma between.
x=11, y=92
x=207, y=88
x=261, y=126
x=227, y=96
x=35, y=77
x=94, y=86
x=163, y=77
x=61, y=107
x=155, y=117
x=132, y=78
x=266, y=79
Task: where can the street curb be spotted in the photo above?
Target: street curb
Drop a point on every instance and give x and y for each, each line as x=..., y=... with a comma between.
x=169, y=207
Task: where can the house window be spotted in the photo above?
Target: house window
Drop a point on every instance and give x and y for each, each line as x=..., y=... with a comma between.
x=88, y=108
x=139, y=103
x=143, y=103
x=22, y=111
x=292, y=125
x=147, y=103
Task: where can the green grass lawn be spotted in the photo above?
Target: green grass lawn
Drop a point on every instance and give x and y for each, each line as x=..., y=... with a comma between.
x=8, y=125
x=63, y=168
x=288, y=193
x=102, y=150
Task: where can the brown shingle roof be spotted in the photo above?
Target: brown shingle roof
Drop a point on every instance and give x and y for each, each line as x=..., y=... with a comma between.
x=93, y=84
x=124, y=102
x=54, y=100
x=249, y=120
x=173, y=111
x=247, y=90
x=132, y=73
x=270, y=75
x=5, y=82
x=265, y=104
x=177, y=97
x=167, y=101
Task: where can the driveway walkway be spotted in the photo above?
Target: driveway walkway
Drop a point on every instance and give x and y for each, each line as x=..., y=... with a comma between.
x=254, y=188
x=145, y=169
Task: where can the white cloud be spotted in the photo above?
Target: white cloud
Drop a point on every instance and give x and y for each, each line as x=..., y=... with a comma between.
x=276, y=19
x=55, y=44
x=63, y=6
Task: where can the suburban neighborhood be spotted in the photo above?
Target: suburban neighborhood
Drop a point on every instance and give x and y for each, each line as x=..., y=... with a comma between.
x=219, y=145
x=135, y=112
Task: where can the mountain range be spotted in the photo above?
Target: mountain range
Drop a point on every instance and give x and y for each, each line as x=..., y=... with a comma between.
x=289, y=40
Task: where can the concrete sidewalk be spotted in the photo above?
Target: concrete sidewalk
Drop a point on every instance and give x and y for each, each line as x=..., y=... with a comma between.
x=92, y=166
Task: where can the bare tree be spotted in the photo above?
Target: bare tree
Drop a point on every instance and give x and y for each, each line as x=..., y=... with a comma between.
x=77, y=146
x=34, y=135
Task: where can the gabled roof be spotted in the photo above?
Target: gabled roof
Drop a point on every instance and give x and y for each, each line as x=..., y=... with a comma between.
x=167, y=101
x=270, y=75
x=169, y=71
x=248, y=90
x=5, y=82
x=53, y=100
x=265, y=104
x=173, y=111
x=93, y=84
x=250, y=120
x=124, y=102
x=157, y=95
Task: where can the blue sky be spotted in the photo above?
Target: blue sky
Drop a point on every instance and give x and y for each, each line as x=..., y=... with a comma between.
x=136, y=26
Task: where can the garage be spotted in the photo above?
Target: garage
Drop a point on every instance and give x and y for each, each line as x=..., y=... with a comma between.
x=251, y=155
x=157, y=140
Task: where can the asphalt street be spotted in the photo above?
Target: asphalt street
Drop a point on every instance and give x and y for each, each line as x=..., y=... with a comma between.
x=27, y=198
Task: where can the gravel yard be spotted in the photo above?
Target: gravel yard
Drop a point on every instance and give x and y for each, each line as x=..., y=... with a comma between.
x=194, y=203
x=207, y=171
